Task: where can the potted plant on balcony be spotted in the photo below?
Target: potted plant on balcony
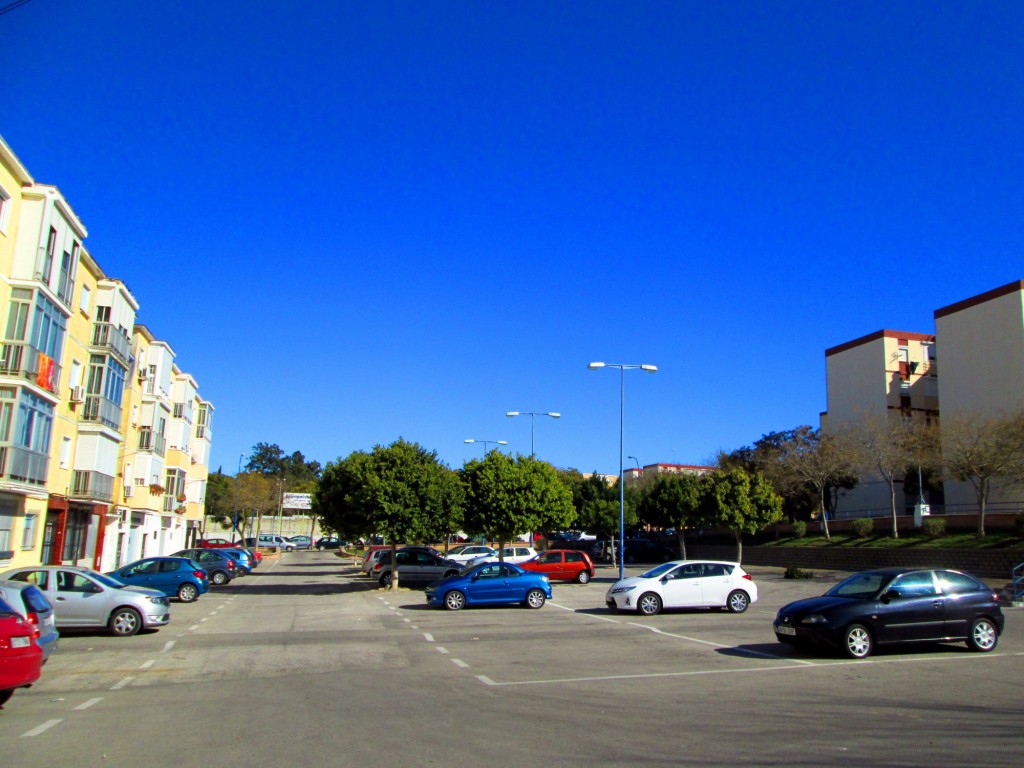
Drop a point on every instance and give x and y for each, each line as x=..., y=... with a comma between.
x=156, y=489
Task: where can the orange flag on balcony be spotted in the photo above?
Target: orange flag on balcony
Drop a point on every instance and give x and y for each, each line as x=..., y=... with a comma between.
x=44, y=372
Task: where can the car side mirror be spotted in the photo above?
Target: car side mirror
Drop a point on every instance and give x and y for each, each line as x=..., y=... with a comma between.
x=95, y=588
x=890, y=594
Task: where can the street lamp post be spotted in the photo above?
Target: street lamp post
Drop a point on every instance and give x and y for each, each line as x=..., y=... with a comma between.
x=622, y=411
x=533, y=424
x=486, y=443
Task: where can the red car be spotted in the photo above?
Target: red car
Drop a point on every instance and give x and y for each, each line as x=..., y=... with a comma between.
x=562, y=565
x=213, y=544
x=21, y=658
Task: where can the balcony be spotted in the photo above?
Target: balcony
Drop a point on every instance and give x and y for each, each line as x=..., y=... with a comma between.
x=109, y=337
x=151, y=442
x=92, y=486
x=100, y=409
x=21, y=360
x=23, y=466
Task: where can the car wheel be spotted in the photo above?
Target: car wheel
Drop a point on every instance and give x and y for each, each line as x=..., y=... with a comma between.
x=320, y=548
x=187, y=593
x=449, y=574
x=583, y=577
x=983, y=637
x=125, y=622
x=454, y=600
x=649, y=604
x=219, y=578
x=385, y=579
x=5, y=696
x=857, y=642
x=289, y=549
x=738, y=601
x=535, y=598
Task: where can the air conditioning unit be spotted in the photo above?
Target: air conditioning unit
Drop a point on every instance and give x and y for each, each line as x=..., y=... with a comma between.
x=143, y=374
x=77, y=394
x=127, y=491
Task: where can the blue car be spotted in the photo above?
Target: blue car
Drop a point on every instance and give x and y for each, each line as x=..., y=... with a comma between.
x=246, y=561
x=490, y=584
x=174, y=576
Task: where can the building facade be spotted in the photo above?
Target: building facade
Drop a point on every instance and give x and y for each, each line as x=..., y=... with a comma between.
x=87, y=401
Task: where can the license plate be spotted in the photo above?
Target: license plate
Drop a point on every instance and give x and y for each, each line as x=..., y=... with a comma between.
x=785, y=630
x=21, y=642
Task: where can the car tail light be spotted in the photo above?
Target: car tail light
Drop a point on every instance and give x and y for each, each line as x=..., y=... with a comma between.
x=199, y=574
x=33, y=619
x=748, y=577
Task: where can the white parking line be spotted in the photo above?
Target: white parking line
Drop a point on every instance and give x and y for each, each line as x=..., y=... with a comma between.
x=193, y=628
x=428, y=637
x=148, y=664
x=460, y=663
x=121, y=684
x=40, y=729
x=89, y=703
x=745, y=651
x=167, y=646
x=586, y=615
x=441, y=650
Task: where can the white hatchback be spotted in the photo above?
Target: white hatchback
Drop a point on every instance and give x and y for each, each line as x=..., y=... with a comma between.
x=685, y=584
x=514, y=555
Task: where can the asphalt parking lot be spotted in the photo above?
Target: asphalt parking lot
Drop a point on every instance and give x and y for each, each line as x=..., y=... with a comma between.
x=340, y=672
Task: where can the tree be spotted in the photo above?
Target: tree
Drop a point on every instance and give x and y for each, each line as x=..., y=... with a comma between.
x=401, y=492
x=982, y=450
x=257, y=496
x=740, y=502
x=672, y=501
x=296, y=473
x=220, y=499
x=506, y=497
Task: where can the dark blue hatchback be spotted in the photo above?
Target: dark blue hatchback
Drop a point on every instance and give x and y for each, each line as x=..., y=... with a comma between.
x=177, y=577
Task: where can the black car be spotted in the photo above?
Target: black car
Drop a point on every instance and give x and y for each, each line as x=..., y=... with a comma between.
x=328, y=542
x=220, y=567
x=637, y=551
x=895, y=605
x=416, y=565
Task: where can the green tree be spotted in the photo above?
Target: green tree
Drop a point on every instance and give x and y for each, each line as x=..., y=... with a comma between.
x=506, y=497
x=298, y=474
x=672, y=501
x=338, y=499
x=740, y=502
x=220, y=499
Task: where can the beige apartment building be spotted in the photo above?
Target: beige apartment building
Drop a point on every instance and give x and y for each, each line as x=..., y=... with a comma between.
x=981, y=342
x=87, y=398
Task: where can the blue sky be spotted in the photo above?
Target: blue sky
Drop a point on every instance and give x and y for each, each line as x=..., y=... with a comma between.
x=359, y=221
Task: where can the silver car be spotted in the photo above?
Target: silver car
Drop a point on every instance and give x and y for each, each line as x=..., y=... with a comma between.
x=85, y=599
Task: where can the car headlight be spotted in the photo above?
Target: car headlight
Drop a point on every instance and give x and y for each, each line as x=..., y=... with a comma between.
x=814, y=618
x=621, y=590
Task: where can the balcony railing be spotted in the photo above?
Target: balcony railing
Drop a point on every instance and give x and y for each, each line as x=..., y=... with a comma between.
x=152, y=442
x=110, y=337
x=91, y=485
x=99, y=408
x=22, y=465
x=19, y=358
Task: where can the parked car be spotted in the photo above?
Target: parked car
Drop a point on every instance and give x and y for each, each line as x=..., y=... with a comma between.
x=562, y=565
x=301, y=541
x=221, y=568
x=514, y=555
x=32, y=605
x=639, y=551
x=685, y=584
x=488, y=584
x=328, y=542
x=21, y=658
x=416, y=565
x=372, y=557
x=179, y=577
x=213, y=543
x=245, y=558
x=889, y=606
x=466, y=552
x=85, y=599
x=270, y=540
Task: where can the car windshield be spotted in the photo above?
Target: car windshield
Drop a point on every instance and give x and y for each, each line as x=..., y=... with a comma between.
x=107, y=581
x=657, y=573
x=860, y=585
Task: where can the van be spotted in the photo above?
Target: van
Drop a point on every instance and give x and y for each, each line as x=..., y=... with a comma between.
x=271, y=540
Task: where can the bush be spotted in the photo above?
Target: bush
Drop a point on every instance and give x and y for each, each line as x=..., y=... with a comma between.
x=863, y=527
x=792, y=572
x=799, y=529
x=934, y=527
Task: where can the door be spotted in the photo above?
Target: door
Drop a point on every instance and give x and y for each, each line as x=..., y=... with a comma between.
x=681, y=587
x=716, y=583
x=549, y=562
x=491, y=584
x=78, y=600
x=169, y=576
x=141, y=574
x=918, y=613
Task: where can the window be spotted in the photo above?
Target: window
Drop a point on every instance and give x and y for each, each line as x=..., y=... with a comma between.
x=47, y=266
x=84, y=299
x=6, y=523
x=957, y=583
x=65, y=453
x=28, y=533
x=5, y=210
x=917, y=584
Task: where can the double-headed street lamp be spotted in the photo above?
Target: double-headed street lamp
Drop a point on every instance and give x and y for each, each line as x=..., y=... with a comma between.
x=533, y=424
x=487, y=442
x=622, y=410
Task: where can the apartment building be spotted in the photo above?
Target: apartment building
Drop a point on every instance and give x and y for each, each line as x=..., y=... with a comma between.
x=651, y=470
x=87, y=400
x=981, y=340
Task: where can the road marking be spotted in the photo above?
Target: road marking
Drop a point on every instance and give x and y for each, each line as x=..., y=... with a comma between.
x=148, y=664
x=460, y=663
x=167, y=646
x=193, y=628
x=745, y=651
x=40, y=729
x=441, y=650
x=585, y=615
x=428, y=637
x=485, y=680
x=123, y=682
x=89, y=703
